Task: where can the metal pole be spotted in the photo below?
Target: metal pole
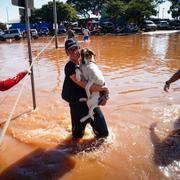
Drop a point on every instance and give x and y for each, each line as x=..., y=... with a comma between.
x=30, y=52
x=55, y=22
x=163, y=14
x=7, y=15
x=158, y=11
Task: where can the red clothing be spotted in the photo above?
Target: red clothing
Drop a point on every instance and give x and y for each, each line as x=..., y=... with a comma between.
x=8, y=83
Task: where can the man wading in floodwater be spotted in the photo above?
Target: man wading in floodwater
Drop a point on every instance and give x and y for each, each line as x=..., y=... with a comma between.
x=73, y=90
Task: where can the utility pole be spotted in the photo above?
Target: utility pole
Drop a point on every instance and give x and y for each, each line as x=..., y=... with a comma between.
x=163, y=14
x=7, y=15
x=55, y=23
x=158, y=11
x=30, y=52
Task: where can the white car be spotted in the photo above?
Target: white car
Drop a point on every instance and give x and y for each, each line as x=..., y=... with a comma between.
x=11, y=34
x=34, y=33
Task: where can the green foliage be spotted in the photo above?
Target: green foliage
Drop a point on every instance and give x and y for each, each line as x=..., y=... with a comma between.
x=2, y=26
x=175, y=8
x=65, y=12
x=85, y=7
x=140, y=9
x=132, y=10
x=115, y=9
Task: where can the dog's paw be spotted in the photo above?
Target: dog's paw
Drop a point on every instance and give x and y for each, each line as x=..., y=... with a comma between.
x=92, y=117
x=82, y=120
x=78, y=74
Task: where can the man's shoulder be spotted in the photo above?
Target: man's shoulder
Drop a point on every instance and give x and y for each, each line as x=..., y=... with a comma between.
x=70, y=66
x=69, y=63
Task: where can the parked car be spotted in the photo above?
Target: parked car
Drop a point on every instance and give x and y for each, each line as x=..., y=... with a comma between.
x=107, y=27
x=1, y=31
x=44, y=31
x=11, y=34
x=163, y=25
x=34, y=33
x=148, y=26
x=175, y=23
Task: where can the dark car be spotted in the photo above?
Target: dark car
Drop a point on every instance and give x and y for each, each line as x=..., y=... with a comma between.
x=175, y=24
x=44, y=31
x=148, y=26
x=11, y=34
x=163, y=25
x=107, y=27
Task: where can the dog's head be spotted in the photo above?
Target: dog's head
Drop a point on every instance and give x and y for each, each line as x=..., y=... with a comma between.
x=87, y=56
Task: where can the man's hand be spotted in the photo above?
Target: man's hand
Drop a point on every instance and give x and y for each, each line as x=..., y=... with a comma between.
x=105, y=90
x=166, y=86
x=104, y=96
x=27, y=72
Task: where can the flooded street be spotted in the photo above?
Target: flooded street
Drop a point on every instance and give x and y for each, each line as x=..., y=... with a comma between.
x=38, y=143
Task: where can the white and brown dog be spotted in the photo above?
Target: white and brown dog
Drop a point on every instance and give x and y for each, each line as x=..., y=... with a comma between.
x=92, y=75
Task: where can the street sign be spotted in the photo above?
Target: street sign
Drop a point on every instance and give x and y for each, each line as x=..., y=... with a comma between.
x=21, y=3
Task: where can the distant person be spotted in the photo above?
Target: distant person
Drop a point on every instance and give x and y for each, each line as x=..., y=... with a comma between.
x=174, y=78
x=10, y=82
x=86, y=34
x=70, y=33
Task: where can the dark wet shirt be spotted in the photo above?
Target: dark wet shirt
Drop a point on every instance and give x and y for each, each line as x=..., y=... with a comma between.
x=74, y=91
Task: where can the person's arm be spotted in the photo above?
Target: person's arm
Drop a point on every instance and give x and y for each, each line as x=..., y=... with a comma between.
x=8, y=83
x=174, y=78
x=94, y=87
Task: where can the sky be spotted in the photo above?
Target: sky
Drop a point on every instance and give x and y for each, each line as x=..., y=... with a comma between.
x=10, y=13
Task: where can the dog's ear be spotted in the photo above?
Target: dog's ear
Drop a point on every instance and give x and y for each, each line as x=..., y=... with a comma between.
x=81, y=51
x=91, y=52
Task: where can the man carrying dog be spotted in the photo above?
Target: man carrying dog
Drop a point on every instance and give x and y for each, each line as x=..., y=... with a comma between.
x=73, y=90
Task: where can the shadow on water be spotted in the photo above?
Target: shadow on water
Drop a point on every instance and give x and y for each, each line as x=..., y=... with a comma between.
x=168, y=150
x=50, y=164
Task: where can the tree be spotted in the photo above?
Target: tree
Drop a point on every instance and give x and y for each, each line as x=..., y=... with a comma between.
x=86, y=7
x=132, y=10
x=65, y=12
x=175, y=8
x=137, y=10
x=2, y=26
x=115, y=9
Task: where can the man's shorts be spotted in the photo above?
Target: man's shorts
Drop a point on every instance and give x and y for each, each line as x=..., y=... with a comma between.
x=86, y=38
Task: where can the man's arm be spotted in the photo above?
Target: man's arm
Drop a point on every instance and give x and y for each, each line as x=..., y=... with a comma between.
x=8, y=83
x=94, y=87
x=174, y=78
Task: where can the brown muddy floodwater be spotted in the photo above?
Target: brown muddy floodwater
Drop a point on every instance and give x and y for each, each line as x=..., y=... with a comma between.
x=38, y=143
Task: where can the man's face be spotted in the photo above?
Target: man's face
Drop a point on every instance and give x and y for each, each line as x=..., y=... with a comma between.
x=73, y=53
